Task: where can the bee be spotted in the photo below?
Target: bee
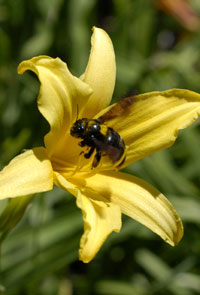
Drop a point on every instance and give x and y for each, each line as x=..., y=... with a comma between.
x=100, y=138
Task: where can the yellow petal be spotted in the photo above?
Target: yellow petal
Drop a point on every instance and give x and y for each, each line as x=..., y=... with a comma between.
x=153, y=121
x=60, y=93
x=100, y=216
x=28, y=173
x=100, y=220
x=62, y=182
x=140, y=201
x=100, y=73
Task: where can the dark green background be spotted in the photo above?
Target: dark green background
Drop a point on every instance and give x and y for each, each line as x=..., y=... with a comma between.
x=153, y=52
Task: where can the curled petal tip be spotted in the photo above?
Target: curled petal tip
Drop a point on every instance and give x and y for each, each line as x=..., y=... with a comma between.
x=100, y=71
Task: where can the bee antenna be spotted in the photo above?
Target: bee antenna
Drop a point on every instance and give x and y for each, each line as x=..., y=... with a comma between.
x=77, y=112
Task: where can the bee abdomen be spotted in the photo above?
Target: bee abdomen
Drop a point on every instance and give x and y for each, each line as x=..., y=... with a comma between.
x=113, y=138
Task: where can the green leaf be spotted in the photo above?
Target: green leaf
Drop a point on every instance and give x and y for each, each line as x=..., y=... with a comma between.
x=12, y=214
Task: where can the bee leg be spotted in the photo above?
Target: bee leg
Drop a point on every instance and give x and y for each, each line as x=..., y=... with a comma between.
x=88, y=155
x=82, y=143
x=97, y=159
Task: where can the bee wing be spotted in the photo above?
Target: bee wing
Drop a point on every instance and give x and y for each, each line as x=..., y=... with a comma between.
x=114, y=153
x=117, y=110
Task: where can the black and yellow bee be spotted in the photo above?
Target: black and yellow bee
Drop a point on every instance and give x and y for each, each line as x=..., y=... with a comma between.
x=100, y=138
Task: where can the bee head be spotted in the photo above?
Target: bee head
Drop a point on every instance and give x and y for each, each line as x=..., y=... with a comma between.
x=78, y=128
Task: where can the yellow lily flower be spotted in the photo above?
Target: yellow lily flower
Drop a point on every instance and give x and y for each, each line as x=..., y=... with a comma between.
x=102, y=193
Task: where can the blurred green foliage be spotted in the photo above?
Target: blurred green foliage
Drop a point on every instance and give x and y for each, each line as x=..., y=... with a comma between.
x=153, y=52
